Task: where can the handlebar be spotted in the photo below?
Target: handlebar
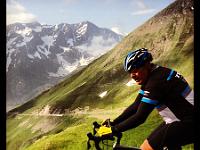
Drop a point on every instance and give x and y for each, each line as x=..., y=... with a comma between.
x=98, y=139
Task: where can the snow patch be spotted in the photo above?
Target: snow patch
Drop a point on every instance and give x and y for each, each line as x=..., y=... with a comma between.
x=9, y=60
x=61, y=60
x=40, y=49
x=82, y=30
x=26, y=34
x=103, y=94
x=37, y=29
x=30, y=56
x=62, y=71
x=26, y=31
x=27, y=39
x=43, y=50
x=10, y=41
x=48, y=40
x=66, y=49
x=71, y=68
x=70, y=42
x=37, y=55
x=20, y=44
x=56, y=26
x=85, y=61
x=46, y=26
x=65, y=67
x=65, y=28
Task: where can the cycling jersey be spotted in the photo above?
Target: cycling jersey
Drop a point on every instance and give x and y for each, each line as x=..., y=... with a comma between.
x=167, y=115
x=168, y=92
x=167, y=88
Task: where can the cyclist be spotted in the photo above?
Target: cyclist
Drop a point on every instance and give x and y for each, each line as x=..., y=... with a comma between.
x=167, y=91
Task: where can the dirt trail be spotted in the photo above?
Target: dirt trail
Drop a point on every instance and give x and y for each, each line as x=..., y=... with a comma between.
x=100, y=113
x=94, y=113
x=47, y=124
x=57, y=115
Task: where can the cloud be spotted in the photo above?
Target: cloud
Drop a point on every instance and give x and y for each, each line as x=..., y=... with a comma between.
x=142, y=12
x=118, y=30
x=69, y=2
x=142, y=8
x=15, y=12
x=61, y=10
x=141, y=4
x=98, y=46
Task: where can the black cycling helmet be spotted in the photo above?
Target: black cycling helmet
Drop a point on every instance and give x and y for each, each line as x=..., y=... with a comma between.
x=136, y=59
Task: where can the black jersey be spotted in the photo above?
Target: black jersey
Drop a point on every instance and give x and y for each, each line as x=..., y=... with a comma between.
x=165, y=89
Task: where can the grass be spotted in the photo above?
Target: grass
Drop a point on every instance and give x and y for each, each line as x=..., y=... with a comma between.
x=30, y=128
x=13, y=140
x=74, y=137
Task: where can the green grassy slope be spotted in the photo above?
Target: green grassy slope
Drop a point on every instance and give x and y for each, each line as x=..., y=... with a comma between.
x=168, y=35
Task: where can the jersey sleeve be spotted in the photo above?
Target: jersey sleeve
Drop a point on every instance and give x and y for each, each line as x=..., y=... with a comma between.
x=136, y=113
x=129, y=111
x=135, y=120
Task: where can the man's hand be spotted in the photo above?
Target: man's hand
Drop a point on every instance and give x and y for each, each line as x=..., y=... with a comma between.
x=103, y=130
x=107, y=123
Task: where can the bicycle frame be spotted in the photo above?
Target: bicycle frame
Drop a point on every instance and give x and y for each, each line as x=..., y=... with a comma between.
x=98, y=139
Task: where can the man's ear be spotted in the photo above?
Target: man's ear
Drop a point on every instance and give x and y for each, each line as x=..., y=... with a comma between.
x=147, y=65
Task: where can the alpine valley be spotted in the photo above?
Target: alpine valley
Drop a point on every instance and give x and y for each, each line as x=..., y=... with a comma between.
x=39, y=56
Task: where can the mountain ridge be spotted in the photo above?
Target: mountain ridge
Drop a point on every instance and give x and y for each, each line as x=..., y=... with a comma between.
x=57, y=49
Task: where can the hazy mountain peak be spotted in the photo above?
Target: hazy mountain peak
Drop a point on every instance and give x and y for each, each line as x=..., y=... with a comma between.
x=56, y=49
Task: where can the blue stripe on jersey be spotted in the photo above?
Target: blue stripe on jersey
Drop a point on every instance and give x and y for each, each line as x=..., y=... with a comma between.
x=141, y=92
x=170, y=75
x=150, y=101
x=158, y=106
x=186, y=91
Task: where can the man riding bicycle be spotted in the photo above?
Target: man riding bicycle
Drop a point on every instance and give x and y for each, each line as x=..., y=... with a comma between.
x=167, y=91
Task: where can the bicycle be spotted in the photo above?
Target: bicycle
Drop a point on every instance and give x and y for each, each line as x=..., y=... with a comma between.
x=112, y=137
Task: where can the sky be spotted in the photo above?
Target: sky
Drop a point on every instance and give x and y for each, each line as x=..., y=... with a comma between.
x=121, y=16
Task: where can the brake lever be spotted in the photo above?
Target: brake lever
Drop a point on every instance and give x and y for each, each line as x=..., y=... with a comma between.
x=109, y=123
x=96, y=126
x=95, y=139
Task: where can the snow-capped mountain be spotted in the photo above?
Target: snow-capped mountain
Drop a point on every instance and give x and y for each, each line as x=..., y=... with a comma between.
x=38, y=56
